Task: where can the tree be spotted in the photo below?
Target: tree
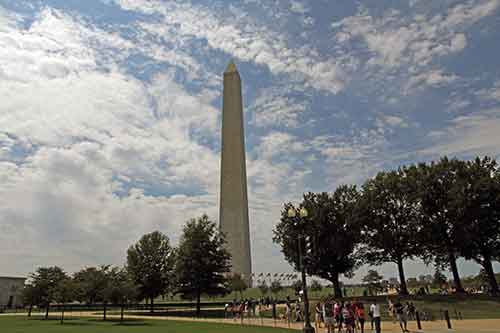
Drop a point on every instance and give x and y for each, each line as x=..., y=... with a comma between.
x=297, y=286
x=439, y=279
x=316, y=286
x=479, y=200
x=122, y=289
x=276, y=287
x=151, y=263
x=390, y=217
x=45, y=282
x=437, y=192
x=202, y=261
x=263, y=287
x=374, y=282
x=237, y=284
x=91, y=283
x=64, y=293
x=32, y=296
x=330, y=235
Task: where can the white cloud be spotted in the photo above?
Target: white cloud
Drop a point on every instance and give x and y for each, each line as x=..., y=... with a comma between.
x=432, y=78
x=471, y=135
x=412, y=45
x=490, y=94
x=392, y=121
x=274, y=107
x=244, y=40
x=298, y=7
x=94, y=142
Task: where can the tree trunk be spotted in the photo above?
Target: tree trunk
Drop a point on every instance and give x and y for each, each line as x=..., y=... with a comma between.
x=47, y=310
x=121, y=313
x=488, y=268
x=337, y=291
x=402, y=280
x=62, y=314
x=30, y=309
x=456, y=277
x=198, y=306
x=152, y=309
x=104, y=312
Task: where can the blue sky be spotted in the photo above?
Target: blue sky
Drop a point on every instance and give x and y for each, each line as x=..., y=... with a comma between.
x=110, y=112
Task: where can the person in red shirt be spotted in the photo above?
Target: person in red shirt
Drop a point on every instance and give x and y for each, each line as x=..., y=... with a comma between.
x=360, y=315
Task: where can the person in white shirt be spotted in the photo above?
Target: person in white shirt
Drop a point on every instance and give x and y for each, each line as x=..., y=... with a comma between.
x=375, y=310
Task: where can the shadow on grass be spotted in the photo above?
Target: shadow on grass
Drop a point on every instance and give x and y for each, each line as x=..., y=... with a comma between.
x=205, y=313
x=67, y=321
x=125, y=322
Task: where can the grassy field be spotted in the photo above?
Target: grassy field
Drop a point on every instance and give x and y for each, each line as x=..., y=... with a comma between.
x=25, y=325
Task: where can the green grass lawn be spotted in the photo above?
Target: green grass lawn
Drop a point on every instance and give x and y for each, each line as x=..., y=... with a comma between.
x=37, y=325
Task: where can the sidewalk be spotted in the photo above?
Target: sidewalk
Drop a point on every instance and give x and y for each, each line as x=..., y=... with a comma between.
x=458, y=326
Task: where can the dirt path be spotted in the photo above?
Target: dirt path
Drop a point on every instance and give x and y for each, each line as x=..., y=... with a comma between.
x=462, y=326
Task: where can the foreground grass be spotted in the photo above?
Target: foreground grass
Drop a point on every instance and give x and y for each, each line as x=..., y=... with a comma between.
x=37, y=325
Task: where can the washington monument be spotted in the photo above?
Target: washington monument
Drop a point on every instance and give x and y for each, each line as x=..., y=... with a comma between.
x=233, y=186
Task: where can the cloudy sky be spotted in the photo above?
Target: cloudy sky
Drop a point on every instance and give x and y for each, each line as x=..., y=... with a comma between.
x=110, y=111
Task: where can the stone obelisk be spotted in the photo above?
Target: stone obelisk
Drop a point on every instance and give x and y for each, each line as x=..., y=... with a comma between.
x=233, y=186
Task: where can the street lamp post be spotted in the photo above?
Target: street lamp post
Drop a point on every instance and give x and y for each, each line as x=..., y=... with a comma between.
x=302, y=213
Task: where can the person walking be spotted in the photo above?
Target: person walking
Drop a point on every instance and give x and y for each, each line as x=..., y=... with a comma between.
x=317, y=316
x=375, y=310
x=401, y=315
x=360, y=314
x=348, y=316
x=328, y=316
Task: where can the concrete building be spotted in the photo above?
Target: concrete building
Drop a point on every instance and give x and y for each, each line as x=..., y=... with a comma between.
x=11, y=289
x=233, y=193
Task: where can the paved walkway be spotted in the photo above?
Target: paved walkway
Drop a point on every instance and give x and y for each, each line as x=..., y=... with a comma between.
x=460, y=326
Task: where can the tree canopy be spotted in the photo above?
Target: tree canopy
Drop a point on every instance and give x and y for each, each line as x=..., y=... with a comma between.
x=331, y=236
x=202, y=261
x=438, y=189
x=45, y=282
x=390, y=218
x=480, y=221
x=151, y=264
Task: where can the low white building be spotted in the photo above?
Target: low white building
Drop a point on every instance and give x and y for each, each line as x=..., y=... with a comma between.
x=11, y=289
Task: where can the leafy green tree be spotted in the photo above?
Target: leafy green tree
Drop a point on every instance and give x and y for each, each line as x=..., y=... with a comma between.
x=32, y=296
x=151, y=265
x=480, y=203
x=237, y=284
x=440, y=234
x=374, y=282
x=330, y=235
x=390, y=217
x=45, y=281
x=439, y=279
x=263, y=287
x=276, y=287
x=202, y=261
x=91, y=283
x=122, y=289
x=65, y=292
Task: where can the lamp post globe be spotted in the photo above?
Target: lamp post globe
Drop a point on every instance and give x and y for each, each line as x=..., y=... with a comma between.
x=292, y=212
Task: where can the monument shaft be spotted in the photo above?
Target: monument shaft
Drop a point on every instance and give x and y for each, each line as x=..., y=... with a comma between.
x=233, y=195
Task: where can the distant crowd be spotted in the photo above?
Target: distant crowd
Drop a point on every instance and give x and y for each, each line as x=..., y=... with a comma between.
x=351, y=316
x=331, y=314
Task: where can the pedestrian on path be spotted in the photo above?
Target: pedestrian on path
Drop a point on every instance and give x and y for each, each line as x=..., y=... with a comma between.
x=375, y=310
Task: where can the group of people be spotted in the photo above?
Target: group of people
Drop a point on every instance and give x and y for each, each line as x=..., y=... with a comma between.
x=348, y=316
x=248, y=307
